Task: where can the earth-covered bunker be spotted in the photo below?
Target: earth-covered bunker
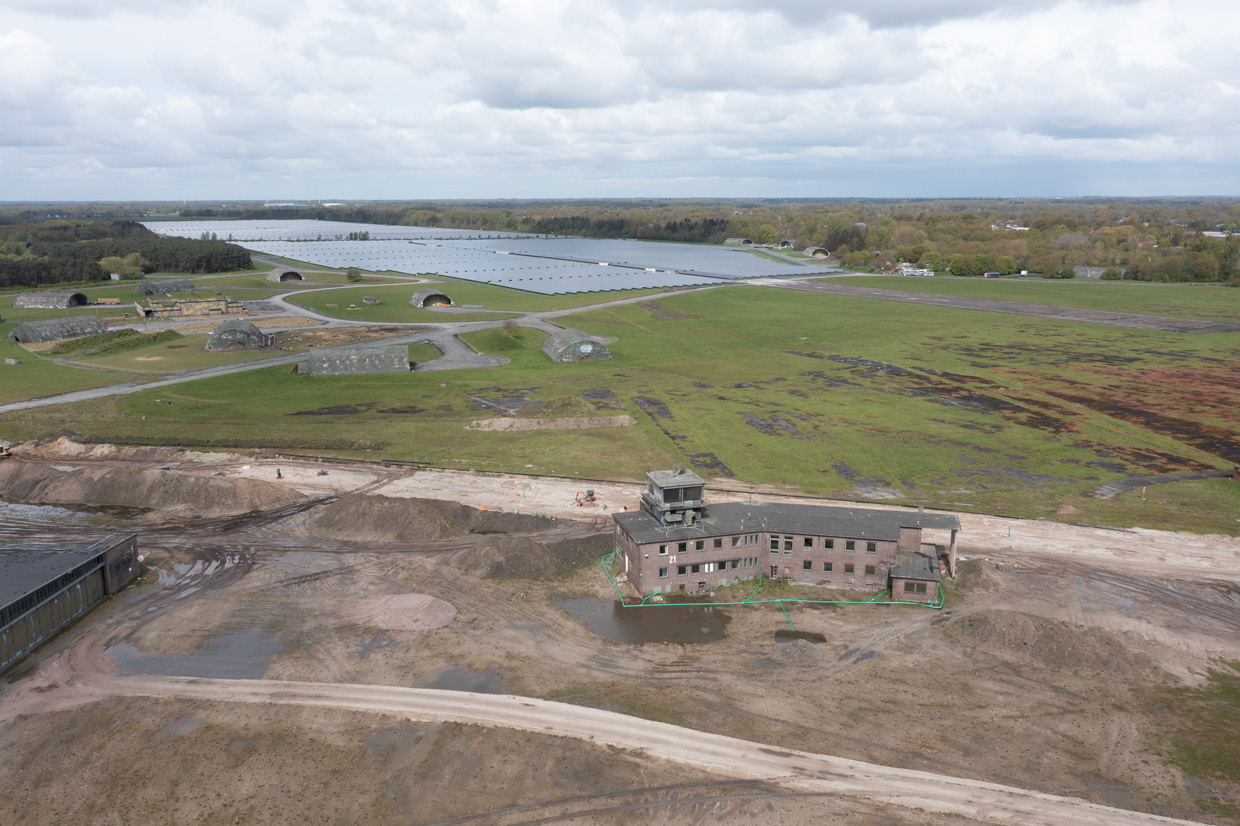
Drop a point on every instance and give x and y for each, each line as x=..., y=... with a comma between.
x=430, y=298
x=574, y=345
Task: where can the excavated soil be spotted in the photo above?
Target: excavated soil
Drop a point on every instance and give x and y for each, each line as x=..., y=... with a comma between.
x=166, y=494
x=518, y=557
x=399, y=612
x=368, y=518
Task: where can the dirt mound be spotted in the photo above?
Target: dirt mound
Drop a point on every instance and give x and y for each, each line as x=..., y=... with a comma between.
x=518, y=557
x=388, y=519
x=977, y=576
x=1011, y=635
x=167, y=493
x=399, y=612
x=66, y=447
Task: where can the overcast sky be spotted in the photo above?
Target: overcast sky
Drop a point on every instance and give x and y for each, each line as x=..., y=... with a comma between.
x=343, y=99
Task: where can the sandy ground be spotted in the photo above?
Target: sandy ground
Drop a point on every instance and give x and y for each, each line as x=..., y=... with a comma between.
x=1046, y=673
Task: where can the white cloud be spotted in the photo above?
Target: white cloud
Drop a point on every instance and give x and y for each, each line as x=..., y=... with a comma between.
x=443, y=98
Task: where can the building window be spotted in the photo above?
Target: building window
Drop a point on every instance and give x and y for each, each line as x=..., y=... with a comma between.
x=871, y=547
x=696, y=569
x=914, y=587
x=829, y=544
x=736, y=563
x=662, y=549
x=850, y=545
x=718, y=542
x=662, y=572
x=849, y=567
x=682, y=547
x=682, y=569
x=699, y=545
x=809, y=541
x=827, y=566
x=736, y=542
x=787, y=544
x=807, y=565
x=870, y=570
x=775, y=542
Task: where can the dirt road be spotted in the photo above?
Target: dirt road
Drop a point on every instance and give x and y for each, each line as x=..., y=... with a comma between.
x=987, y=802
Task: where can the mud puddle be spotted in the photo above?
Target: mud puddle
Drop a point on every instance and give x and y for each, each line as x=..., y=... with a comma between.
x=237, y=655
x=13, y=514
x=460, y=678
x=650, y=623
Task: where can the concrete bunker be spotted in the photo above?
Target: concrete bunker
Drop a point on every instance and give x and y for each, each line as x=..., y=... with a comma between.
x=57, y=329
x=283, y=274
x=574, y=345
x=430, y=298
x=816, y=252
x=170, y=287
x=738, y=242
x=358, y=361
x=50, y=301
x=239, y=334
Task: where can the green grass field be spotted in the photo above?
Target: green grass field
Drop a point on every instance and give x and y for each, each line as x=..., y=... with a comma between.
x=396, y=306
x=35, y=376
x=1213, y=302
x=813, y=393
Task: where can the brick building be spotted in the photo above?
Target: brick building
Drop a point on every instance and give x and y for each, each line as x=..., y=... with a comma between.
x=676, y=542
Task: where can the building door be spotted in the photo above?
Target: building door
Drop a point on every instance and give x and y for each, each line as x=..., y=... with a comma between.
x=774, y=572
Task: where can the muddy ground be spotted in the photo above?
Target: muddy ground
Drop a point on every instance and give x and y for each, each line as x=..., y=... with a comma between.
x=1048, y=669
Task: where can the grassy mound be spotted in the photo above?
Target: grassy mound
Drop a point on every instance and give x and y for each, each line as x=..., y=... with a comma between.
x=115, y=341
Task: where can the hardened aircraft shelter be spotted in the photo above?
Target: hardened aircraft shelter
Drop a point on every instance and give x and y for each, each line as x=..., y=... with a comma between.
x=549, y=266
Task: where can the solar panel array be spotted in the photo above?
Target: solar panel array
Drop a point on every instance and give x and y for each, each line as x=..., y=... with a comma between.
x=549, y=266
x=310, y=230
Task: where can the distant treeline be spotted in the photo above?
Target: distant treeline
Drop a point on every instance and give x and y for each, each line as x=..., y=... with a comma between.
x=1149, y=239
x=58, y=251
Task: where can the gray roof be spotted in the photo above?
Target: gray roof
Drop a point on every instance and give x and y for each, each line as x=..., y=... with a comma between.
x=574, y=345
x=237, y=331
x=169, y=287
x=912, y=565
x=675, y=478
x=50, y=301
x=24, y=569
x=808, y=520
x=393, y=358
x=419, y=298
x=55, y=329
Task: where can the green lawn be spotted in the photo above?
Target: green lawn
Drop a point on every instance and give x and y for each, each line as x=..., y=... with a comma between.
x=815, y=393
x=35, y=376
x=1213, y=302
x=394, y=306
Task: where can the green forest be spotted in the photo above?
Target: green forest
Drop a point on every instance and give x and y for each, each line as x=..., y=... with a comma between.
x=60, y=251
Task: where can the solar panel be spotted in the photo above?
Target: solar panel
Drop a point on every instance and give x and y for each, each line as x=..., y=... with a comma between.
x=548, y=266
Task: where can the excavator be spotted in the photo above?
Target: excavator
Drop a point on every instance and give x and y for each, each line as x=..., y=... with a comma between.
x=582, y=498
x=5, y=451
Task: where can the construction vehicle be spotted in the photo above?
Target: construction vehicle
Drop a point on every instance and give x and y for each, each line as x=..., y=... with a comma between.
x=5, y=451
x=582, y=498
